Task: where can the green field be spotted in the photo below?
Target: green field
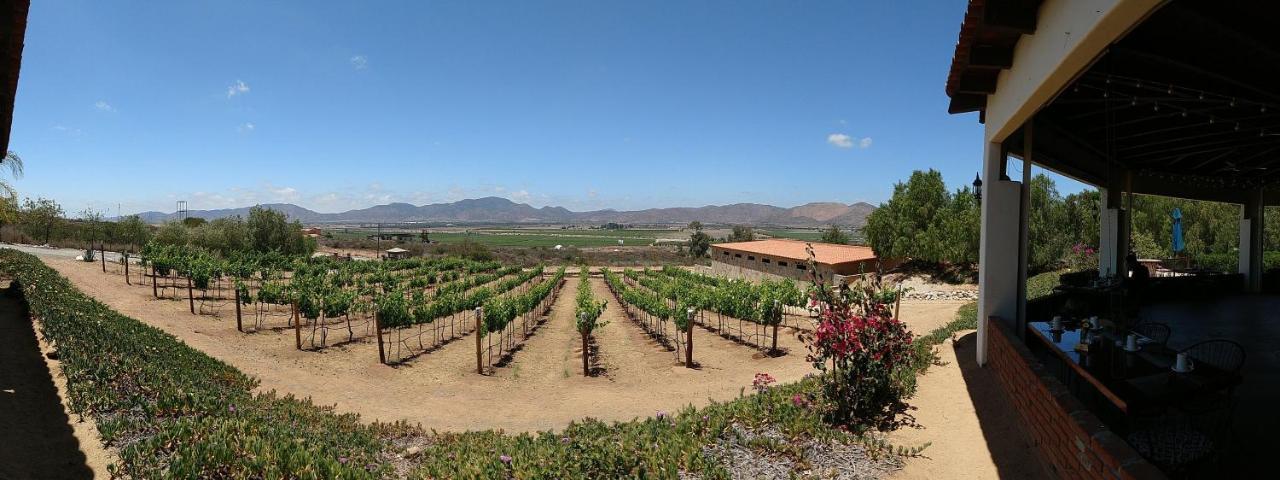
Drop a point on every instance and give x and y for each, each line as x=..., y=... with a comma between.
x=550, y=237
x=807, y=235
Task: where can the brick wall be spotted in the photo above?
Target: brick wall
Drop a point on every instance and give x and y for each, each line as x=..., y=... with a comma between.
x=1070, y=440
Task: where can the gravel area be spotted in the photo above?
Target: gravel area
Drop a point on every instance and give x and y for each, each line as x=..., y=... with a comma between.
x=942, y=295
x=767, y=454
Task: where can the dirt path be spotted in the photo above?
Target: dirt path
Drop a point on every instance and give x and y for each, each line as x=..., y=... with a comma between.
x=440, y=389
x=39, y=436
x=625, y=350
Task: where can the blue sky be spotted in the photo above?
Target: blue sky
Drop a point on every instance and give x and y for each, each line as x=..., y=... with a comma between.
x=584, y=104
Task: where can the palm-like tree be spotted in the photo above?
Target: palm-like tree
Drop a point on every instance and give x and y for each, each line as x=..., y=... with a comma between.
x=13, y=163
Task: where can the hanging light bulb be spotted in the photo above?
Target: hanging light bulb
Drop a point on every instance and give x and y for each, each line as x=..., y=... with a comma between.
x=1210, y=120
x=1202, y=95
x=1170, y=91
x=1233, y=101
x=1184, y=114
x=1133, y=102
x=1156, y=107
x=1237, y=126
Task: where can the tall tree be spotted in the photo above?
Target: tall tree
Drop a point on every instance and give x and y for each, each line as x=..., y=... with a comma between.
x=133, y=231
x=40, y=216
x=92, y=228
x=699, y=241
x=742, y=233
x=899, y=228
x=832, y=234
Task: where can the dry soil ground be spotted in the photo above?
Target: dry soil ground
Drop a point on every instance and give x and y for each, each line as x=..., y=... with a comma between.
x=543, y=387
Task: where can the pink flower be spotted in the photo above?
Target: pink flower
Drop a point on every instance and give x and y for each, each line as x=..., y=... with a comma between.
x=505, y=459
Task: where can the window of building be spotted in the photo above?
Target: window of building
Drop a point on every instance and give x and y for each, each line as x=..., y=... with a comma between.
x=765, y=260
x=737, y=255
x=725, y=253
x=799, y=266
x=751, y=257
x=782, y=264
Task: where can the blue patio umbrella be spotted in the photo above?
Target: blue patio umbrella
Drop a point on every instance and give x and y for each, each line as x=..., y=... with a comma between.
x=1178, y=243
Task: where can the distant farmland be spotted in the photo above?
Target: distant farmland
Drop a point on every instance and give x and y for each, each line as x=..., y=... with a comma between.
x=528, y=237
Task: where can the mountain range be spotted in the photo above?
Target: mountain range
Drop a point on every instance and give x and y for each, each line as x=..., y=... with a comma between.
x=493, y=210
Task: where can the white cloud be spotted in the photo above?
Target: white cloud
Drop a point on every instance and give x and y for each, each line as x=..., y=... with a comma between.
x=238, y=88
x=840, y=140
x=359, y=62
x=521, y=196
x=104, y=106
x=246, y=127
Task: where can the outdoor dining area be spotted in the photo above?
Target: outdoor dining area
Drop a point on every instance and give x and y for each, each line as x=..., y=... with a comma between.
x=1169, y=375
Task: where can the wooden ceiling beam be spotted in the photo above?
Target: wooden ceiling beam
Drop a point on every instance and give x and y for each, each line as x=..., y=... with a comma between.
x=991, y=56
x=967, y=102
x=1014, y=16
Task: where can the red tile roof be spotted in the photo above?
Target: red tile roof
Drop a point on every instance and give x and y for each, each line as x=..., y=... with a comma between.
x=824, y=253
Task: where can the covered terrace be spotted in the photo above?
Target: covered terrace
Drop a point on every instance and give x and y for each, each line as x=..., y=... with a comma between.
x=1176, y=98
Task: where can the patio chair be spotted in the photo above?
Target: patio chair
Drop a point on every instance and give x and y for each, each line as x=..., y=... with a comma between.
x=1157, y=332
x=1222, y=354
x=1186, y=445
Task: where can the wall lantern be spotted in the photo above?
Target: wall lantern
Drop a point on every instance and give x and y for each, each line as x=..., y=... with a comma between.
x=977, y=187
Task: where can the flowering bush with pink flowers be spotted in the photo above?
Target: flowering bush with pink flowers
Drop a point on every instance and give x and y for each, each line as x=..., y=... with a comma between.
x=865, y=355
x=1081, y=258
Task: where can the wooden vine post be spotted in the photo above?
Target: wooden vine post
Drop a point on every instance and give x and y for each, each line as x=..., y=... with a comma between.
x=777, y=309
x=126, y=269
x=191, y=299
x=102, y=252
x=479, y=331
x=239, y=325
x=586, y=366
x=154, y=293
x=297, y=326
x=688, y=340
x=377, y=325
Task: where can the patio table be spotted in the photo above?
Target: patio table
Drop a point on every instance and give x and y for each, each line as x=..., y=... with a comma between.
x=1104, y=365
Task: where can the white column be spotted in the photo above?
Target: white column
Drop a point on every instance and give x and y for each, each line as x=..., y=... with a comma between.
x=998, y=253
x=1251, y=242
x=1108, y=233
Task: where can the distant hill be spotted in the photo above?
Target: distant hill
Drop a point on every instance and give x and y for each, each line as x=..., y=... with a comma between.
x=501, y=210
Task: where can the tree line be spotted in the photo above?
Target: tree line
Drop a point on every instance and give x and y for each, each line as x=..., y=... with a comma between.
x=43, y=221
x=925, y=221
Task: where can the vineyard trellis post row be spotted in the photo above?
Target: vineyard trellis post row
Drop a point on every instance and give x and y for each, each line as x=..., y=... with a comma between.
x=126, y=269
x=239, y=324
x=154, y=292
x=102, y=252
x=688, y=338
x=479, y=332
x=191, y=299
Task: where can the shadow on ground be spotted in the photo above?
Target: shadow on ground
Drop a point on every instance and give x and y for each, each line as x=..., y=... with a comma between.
x=1006, y=438
x=36, y=438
